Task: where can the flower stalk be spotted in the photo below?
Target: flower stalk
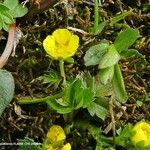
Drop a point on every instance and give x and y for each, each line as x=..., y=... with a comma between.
x=62, y=72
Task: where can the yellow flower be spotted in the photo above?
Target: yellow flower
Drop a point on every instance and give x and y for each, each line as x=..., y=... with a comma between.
x=66, y=147
x=61, y=44
x=55, y=134
x=142, y=133
x=50, y=147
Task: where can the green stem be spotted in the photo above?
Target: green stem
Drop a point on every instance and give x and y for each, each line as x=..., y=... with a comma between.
x=40, y=100
x=96, y=17
x=62, y=71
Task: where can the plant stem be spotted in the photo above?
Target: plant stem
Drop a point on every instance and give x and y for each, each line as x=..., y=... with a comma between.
x=96, y=17
x=62, y=71
x=9, y=46
x=40, y=100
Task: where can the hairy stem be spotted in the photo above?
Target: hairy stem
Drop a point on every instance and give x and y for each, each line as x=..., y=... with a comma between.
x=96, y=16
x=62, y=71
x=9, y=45
x=39, y=100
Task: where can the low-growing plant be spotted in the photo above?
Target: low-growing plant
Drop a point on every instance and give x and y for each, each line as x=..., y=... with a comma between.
x=107, y=57
x=76, y=93
x=84, y=91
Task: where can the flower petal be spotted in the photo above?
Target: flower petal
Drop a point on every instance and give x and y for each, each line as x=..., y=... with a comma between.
x=66, y=147
x=142, y=133
x=73, y=45
x=61, y=44
x=49, y=45
x=62, y=36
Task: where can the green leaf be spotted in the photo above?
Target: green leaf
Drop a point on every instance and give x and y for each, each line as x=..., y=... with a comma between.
x=110, y=58
x=62, y=102
x=90, y=81
x=18, y=11
x=51, y=78
x=96, y=133
x=83, y=94
x=118, y=85
x=11, y=4
x=120, y=17
x=71, y=100
x=100, y=27
x=77, y=92
x=131, y=53
x=125, y=135
x=125, y=39
x=6, y=89
x=59, y=108
x=28, y=144
x=3, y=8
x=106, y=74
x=9, y=10
x=96, y=109
x=103, y=90
x=5, y=20
x=76, y=95
x=88, y=96
x=95, y=54
x=7, y=17
x=1, y=22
